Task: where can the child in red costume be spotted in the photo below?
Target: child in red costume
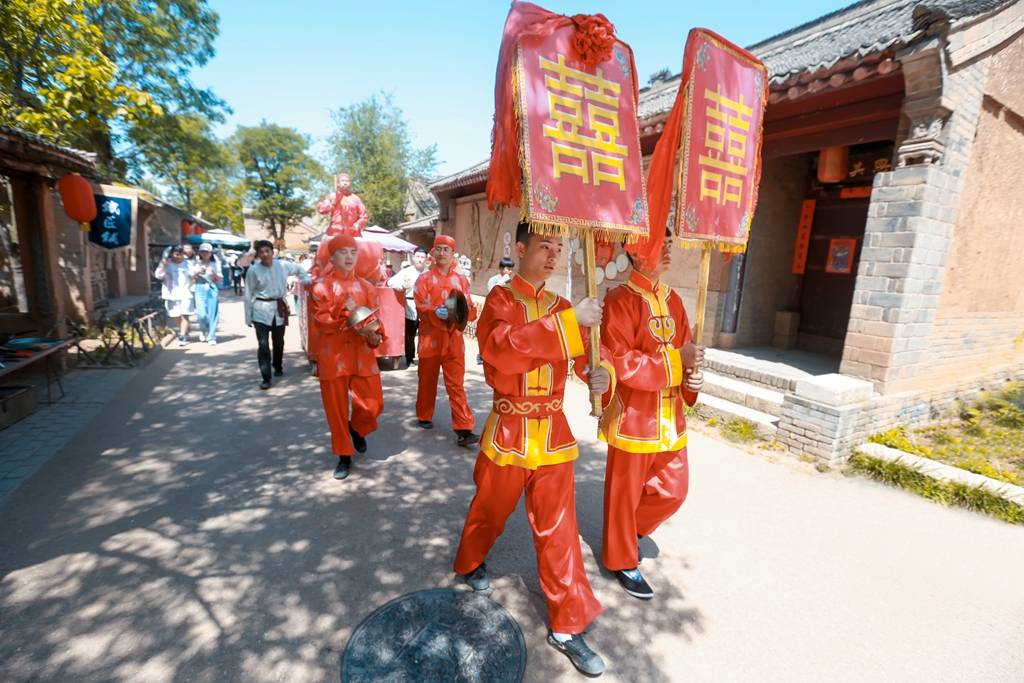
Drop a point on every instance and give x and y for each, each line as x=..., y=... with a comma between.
x=346, y=364
x=646, y=336
x=441, y=346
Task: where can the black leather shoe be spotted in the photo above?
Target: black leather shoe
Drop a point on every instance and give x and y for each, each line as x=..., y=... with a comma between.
x=586, y=661
x=425, y=424
x=265, y=384
x=358, y=441
x=477, y=579
x=634, y=583
x=344, y=464
x=467, y=438
x=278, y=373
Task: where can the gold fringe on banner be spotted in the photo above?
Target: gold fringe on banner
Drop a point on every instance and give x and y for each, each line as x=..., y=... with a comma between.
x=724, y=247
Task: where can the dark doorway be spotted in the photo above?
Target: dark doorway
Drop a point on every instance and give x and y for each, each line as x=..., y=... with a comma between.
x=837, y=235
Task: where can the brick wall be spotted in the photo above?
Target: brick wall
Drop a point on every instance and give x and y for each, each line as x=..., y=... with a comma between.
x=911, y=223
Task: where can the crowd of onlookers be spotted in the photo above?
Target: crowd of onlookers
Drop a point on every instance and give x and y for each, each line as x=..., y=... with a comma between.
x=191, y=279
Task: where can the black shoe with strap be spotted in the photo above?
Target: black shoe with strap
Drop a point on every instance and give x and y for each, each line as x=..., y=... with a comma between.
x=344, y=465
x=425, y=424
x=467, y=438
x=586, y=661
x=265, y=384
x=357, y=440
x=634, y=583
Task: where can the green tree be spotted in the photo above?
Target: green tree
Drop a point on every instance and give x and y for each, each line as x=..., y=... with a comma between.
x=55, y=79
x=280, y=175
x=84, y=72
x=183, y=154
x=371, y=143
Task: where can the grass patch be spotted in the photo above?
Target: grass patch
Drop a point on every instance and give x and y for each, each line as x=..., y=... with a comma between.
x=739, y=430
x=943, y=492
x=987, y=437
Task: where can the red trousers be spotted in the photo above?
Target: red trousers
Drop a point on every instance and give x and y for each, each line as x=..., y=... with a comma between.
x=641, y=490
x=367, y=404
x=454, y=376
x=551, y=510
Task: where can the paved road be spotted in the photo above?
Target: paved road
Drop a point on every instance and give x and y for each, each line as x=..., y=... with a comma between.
x=192, y=532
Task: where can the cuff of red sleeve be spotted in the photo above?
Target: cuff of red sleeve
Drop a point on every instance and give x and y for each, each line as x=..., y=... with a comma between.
x=611, y=386
x=673, y=366
x=569, y=334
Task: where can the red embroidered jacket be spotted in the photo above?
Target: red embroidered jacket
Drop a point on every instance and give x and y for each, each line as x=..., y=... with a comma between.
x=643, y=327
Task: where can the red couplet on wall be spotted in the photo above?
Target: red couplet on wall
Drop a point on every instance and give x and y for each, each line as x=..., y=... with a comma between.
x=803, y=236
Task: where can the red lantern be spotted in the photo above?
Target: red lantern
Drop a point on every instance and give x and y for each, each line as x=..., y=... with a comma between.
x=186, y=227
x=832, y=162
x=78, y=198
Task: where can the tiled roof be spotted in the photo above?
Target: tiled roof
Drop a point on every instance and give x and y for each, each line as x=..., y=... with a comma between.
x=23, y=142
x=421, y=197
x=468, y=176
x=861, y=29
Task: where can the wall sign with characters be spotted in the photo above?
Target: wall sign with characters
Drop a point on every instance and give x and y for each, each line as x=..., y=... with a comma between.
x=115, y=226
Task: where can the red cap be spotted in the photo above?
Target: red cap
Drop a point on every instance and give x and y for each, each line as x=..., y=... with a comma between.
x=446, y=240
x=339, y=241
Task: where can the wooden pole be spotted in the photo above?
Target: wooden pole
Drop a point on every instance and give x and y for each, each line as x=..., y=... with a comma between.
x=702, y=291
x=590, y=263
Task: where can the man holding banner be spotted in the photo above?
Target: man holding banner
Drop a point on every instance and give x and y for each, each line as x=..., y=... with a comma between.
x=715, y=127
x=646, y=336
x=527, y=337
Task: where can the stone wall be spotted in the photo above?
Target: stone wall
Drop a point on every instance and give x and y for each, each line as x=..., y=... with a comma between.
x=911, y=222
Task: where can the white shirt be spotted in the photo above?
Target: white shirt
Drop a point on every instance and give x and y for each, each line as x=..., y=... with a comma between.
x=176, y=280
x=268, y=283
x=497, y=279
x=406, y=279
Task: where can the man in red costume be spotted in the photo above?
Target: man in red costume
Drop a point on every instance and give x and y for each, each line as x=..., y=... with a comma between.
x=646, y=336
x=527, y=337
x=346, y=210
x=440, y=341
x=346, y=361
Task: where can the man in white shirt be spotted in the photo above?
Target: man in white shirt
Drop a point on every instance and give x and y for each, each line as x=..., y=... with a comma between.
x=266, y=308
x=404, y=281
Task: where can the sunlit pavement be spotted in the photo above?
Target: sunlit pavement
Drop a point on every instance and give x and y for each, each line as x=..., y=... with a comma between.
x=193, y=532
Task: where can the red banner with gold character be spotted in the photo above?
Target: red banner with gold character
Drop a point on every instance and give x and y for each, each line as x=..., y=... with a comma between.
x=579, y=137
x=725, y=90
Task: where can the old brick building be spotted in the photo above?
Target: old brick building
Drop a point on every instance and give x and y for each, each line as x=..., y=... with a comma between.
x=882, y=277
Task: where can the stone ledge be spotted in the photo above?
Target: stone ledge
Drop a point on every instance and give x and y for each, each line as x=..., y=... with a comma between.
x=834, y=390
x=937, y=470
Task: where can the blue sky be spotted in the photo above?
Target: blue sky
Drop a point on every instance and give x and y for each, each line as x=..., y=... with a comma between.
x=292, y=62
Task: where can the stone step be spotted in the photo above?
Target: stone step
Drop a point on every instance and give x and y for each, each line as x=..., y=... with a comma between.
x=773, y=375
x=713, y=406
x=748, y=394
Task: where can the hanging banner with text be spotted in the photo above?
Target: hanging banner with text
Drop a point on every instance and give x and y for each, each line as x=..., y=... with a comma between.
x=720, y=147
x=581, y=157
x=115, y=226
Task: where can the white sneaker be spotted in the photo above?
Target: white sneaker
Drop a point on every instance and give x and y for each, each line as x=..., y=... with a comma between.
x=202, y=336
x=213, y=342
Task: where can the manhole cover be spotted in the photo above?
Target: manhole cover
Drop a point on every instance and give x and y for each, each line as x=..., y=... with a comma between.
x=436, y=635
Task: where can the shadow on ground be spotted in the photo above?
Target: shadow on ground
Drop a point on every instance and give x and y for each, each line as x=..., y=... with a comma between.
x=193, y=532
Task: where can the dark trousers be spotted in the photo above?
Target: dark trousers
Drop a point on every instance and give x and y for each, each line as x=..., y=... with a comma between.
x=411, y=326
x=264, y=335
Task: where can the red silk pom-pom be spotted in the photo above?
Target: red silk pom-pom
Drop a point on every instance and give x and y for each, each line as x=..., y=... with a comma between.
x=593, y=39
